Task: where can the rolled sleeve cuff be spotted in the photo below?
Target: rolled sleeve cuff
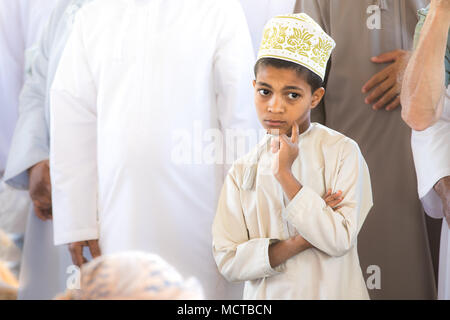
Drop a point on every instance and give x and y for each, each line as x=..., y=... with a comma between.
x=18, y=181
x=268, y=270
x=16, y=175
x=432, y=179
x=305, y=201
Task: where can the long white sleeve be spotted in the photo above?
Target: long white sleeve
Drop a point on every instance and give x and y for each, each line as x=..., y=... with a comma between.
x=30, y=143
x=21, y=23
x=335, y=232
x=237, y=257
x=73, y=144
x=12, y=50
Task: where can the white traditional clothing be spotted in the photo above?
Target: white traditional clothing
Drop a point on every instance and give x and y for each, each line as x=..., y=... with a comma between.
x=30, y=144
x=249, y=218
x=258, y=12
x=21, y=22
x=134, y=75
x=44, y=267
x=431, y=150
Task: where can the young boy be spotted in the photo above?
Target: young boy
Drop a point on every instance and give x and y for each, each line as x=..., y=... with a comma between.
x=272, y=229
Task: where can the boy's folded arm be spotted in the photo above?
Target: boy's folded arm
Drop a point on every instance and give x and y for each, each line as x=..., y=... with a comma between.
x=246, y=261
x=335, y=232
x=237, y=257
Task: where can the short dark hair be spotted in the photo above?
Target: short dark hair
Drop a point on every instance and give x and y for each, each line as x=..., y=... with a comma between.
x=313, y=79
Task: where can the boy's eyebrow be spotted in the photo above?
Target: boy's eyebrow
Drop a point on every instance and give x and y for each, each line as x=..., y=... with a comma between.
x=285, y=88
x=263, y=84
x=293, y=88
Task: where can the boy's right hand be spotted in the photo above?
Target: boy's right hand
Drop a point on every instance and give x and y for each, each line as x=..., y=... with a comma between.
x=333, y=199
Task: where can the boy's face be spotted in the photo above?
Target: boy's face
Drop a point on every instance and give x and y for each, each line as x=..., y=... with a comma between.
x=282, y=98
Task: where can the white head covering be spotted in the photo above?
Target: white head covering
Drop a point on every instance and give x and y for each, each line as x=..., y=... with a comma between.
x=133, y=275
x=299, y=39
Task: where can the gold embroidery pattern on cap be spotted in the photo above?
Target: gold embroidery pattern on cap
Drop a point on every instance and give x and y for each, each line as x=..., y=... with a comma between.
x=322, y=51
x=297, y=38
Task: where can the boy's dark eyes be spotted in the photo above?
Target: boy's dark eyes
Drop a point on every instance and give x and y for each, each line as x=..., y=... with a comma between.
x=293, y=95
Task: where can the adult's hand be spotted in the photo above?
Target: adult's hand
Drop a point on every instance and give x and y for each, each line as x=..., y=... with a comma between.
x=384, y=88
x=40, y=190
x=443, y=190
x=443, y=5
x=76, y=251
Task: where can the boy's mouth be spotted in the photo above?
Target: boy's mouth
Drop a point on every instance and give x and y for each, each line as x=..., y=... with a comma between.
x=274, y=123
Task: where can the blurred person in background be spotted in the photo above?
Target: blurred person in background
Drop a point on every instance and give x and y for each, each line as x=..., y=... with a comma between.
x=44, y=266
x=21, y=23
x=426, y=109
x=132, y=276
x=139, y=80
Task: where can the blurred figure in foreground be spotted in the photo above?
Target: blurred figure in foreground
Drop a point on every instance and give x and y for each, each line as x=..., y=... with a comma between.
x=132, y=276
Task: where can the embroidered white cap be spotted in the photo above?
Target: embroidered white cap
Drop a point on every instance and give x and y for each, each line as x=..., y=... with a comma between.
x=299, y=39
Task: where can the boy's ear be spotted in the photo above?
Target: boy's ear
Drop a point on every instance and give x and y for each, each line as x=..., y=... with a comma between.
x=254, y=83
x=317, y=97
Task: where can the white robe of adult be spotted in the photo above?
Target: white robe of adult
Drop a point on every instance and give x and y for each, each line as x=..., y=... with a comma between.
x=431, y=150
x=21, y=22
x=259, y=12
x=43, y=272
x=137, y=81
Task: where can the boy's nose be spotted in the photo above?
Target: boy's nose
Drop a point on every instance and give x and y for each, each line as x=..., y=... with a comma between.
x=275, y=105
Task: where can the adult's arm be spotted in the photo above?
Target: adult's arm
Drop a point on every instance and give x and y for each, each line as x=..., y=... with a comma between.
x=423, y=84
x=73, y=143
x=12, y=51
